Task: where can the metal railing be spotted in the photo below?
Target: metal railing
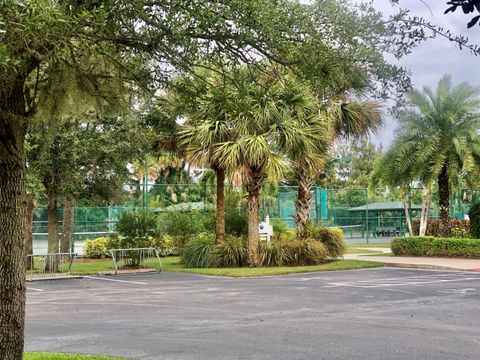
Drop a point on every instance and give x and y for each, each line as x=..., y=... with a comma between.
x=135, y=258
x=52, y=264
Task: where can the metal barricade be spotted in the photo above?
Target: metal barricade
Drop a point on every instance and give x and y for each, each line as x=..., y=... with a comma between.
x=53, y=264
x=135, y=258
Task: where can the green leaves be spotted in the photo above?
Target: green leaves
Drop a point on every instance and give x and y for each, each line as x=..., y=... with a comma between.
x=441, y=130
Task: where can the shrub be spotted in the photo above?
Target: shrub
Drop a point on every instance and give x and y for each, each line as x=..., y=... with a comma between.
x=165, y=245
x=440, y=228
x=331, y=238
x=273, y=253
x=135, y=230
x=134, y=225
x=232, y=253
x=96, y=249
x=305, y=252
x=236, y=222
x=182, y=225
x=280, y=229
x=435, y=246
x=474, y=215
x=198, y=251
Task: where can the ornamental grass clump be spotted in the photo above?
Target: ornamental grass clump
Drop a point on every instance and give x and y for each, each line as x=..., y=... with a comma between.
x=232, y=253
x=198, y=251
x=331, y=238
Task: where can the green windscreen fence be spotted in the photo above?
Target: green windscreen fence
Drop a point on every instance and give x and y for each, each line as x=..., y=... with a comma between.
x=361, y=213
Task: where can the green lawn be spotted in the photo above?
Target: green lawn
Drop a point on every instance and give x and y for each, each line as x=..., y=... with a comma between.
x=385, y=245
x=270, y=271
x=173, y=264
x=355, y=250
x=54, y=356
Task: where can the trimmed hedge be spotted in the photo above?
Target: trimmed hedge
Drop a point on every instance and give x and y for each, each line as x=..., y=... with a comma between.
x=435, y=246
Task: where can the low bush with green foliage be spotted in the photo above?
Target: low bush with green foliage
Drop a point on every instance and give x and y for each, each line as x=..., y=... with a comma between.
x=435, y=246
x=331, y=238
x=232, y=253
x=440, y=228
x=182, y=225
x=198, y=251
x=96, y=249
x=280, y=229
x=302, y=252
x=203, y=252
x=474, y=215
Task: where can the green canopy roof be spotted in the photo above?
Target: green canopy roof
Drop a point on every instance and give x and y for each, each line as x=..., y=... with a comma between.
x=385, y=206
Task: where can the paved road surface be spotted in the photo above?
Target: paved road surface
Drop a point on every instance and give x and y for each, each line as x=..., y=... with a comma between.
x=373, y=314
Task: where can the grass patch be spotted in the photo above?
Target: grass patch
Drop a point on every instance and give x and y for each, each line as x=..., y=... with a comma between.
x=271, y=271
x=55, y=356
x=172, y=264
x=355, y=250
x=384, y=245
x=381, y=254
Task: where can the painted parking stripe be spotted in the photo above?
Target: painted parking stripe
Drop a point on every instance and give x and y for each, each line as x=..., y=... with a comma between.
x=408, y=283
x=35, y=289
x=115, y=280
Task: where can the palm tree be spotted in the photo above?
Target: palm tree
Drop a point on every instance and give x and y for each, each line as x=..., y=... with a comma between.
x=208, y=124
x=200, y=140
x=269, y=123
x=439, y=134
x=342, y=119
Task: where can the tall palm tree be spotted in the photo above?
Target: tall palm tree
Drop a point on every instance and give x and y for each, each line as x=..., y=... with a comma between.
x=336, y=119
x=439, y=134
x=208, y=124
x=268, y=125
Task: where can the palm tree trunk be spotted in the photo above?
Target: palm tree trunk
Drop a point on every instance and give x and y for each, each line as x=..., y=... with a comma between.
x=29, y=232
x=444, y=195
x=13, y=218
x=304, y=201
x=253, y=204
x=407, y=212
x=220, y=216
x=68, y=220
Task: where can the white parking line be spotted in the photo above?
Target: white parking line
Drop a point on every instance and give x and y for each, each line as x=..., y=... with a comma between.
x=359, y=284
x=34, y=289
x=115, y=280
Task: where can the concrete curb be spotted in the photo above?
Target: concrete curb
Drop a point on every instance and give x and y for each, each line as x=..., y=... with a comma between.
x=424, y=267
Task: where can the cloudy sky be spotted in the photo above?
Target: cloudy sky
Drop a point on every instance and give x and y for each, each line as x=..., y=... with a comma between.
x=436, y=57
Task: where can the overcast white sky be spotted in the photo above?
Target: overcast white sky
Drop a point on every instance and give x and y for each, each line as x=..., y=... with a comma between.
x=436, y=57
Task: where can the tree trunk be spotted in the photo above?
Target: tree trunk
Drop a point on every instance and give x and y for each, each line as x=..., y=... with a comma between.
x=29, y=226
x=425, y=214
x=253, y=203
x=407, y=212
x=444, y=195
x=304, y=201
x=220, y=216
x=13, y=216
x=68, y=219
x=52, y=223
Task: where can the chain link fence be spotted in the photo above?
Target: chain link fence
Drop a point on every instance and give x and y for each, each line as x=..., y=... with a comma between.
x=361, y=213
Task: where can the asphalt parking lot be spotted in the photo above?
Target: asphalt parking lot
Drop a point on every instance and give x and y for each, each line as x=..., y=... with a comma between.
x=362, y=314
